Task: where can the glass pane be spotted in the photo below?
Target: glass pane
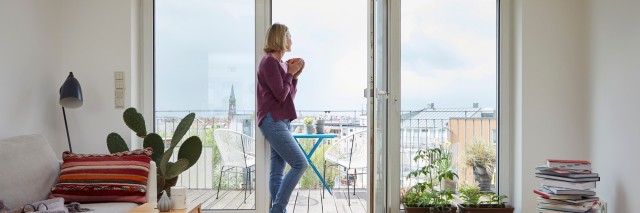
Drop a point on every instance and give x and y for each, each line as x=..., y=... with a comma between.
x=204, y=63
x=331, y=36
x=449, y=72
x=380, y=108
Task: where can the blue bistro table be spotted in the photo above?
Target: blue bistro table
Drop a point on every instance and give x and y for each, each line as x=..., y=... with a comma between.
x=320, y=138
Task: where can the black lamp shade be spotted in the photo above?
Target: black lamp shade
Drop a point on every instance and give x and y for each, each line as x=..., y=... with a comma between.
x=71, y=93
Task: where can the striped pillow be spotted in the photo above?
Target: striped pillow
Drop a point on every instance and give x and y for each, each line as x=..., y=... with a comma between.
x=119, y=177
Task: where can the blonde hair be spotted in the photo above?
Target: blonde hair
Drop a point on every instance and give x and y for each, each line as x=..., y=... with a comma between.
x=276, y=38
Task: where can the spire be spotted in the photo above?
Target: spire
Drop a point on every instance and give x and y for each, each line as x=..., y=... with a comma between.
x=233, y=96
x=232, y=103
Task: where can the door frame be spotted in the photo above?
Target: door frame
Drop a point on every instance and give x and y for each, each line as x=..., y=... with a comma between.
x=262, y=24
x=263, y=21
x=388, y=13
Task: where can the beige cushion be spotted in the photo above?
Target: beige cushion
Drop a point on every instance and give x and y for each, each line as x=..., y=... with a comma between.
x=28, y=170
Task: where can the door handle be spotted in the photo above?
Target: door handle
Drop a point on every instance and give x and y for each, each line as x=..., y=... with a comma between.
x=378, y=92
x=382, y=93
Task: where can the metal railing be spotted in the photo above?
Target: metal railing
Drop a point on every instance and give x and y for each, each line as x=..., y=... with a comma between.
x=418, y=131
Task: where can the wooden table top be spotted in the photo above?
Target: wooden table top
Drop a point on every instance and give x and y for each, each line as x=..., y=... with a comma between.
x=147, y=208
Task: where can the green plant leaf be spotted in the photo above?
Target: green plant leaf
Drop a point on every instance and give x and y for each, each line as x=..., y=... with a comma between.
x=115, y=143
x=135, y=121
x=182, y=129
x=191, y=150
x=174, y=169
x=164, y=162
x=154, y=141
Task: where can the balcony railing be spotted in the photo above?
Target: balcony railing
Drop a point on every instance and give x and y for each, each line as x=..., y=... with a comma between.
x=419, y=130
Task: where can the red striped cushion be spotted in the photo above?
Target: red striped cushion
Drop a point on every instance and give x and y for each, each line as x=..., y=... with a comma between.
x=119, y=177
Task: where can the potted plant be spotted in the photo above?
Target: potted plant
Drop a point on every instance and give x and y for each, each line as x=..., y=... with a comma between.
x=447, y=165
x=308, y=124
x=168, y=172
x=320, y=125
x=429, y=196
x=481, y=156
x=476, y=201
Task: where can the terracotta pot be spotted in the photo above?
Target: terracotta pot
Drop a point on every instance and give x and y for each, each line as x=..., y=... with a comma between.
x=485, y=208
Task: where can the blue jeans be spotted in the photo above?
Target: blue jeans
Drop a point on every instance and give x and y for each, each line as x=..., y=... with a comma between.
x=284, y=149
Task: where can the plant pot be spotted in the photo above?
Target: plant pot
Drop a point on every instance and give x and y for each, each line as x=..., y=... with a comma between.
x=485, y=208
x=483, y=178
x=309, y=129
x=452, y=209
x=449, y=185
x=320, y=126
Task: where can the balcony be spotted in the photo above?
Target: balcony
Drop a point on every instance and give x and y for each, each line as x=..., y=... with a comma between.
x=420, y=129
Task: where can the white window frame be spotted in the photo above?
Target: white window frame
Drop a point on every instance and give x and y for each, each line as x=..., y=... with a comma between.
x=263, y=21
x=505, y=114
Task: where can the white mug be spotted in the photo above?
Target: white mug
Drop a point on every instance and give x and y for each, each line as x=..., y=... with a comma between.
x=178, y=197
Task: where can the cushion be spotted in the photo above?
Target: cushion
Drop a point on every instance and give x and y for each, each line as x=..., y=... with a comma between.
x=119, y=177
x=28, y=169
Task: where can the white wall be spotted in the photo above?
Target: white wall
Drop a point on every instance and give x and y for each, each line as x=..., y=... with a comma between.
x=561, y=109
x=47, y=39
x=615, y=72
x=551, y=90
x=30, y=70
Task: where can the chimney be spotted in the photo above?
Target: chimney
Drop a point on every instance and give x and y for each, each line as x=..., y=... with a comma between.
x=432, y=105
x=476, y=105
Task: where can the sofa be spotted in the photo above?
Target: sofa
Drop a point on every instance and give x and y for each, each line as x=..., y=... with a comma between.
x=29, y=168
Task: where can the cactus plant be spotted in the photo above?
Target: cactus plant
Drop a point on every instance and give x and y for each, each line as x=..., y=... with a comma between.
x=168, y=172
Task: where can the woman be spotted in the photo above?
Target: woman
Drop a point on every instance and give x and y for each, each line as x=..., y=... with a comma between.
x=276, y=90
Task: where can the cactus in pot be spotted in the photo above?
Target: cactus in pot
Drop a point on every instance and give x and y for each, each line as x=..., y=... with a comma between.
x=188, y=153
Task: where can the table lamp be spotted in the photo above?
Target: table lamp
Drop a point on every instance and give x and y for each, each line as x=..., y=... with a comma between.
x=70, y=97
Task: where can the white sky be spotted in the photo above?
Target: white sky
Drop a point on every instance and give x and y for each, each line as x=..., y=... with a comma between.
x=204, y=46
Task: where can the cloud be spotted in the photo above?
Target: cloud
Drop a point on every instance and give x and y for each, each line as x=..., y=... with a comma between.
x=448, y=51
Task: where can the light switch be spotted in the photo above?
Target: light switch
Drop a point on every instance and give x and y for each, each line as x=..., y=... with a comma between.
x=120, y=84
x=119, y=102
x=119, y=75
x=119, y=93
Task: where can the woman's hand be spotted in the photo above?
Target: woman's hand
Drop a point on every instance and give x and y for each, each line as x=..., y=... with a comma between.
x=295, y=76
x=295, y=65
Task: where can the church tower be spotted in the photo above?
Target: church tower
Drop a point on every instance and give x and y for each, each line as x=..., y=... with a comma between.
x=232, y=104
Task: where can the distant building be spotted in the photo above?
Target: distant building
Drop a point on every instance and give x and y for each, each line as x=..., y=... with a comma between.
x=232, y=104
x=455, y=127
x=239, y=122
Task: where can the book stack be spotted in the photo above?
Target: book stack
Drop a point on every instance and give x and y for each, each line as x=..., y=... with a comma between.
x=567, y=186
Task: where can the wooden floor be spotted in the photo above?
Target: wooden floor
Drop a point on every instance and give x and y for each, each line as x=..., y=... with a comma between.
x=302, y=200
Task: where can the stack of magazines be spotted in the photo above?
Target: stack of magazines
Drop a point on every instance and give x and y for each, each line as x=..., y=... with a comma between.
x=567, y=186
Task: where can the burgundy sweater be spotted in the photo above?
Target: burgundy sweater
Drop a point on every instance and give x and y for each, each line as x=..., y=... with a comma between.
x=276, y=90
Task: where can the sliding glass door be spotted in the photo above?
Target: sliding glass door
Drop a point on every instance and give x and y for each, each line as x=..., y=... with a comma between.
x=204, y=63
x=331, y=36
x=428, y=70
x=449, y=74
